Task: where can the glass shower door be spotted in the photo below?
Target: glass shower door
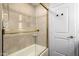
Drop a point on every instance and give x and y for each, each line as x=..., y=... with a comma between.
x=20, y=30
x=25, y=29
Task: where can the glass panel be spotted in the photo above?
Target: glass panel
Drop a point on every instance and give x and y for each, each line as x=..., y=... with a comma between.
x=41, y=42
x=20, y=28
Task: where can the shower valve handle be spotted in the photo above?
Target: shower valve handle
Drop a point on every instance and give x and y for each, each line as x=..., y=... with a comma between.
x=37, y=30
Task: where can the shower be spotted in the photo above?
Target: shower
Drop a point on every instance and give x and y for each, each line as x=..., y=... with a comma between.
x=24, y=29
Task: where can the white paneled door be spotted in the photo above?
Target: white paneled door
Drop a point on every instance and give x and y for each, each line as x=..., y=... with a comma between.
x=62, y=29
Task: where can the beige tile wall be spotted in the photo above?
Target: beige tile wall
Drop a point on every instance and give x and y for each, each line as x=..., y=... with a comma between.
x=15, y=10
x=24, y=8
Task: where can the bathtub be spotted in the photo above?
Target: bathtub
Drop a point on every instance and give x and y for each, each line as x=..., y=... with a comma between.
x=33, y=50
